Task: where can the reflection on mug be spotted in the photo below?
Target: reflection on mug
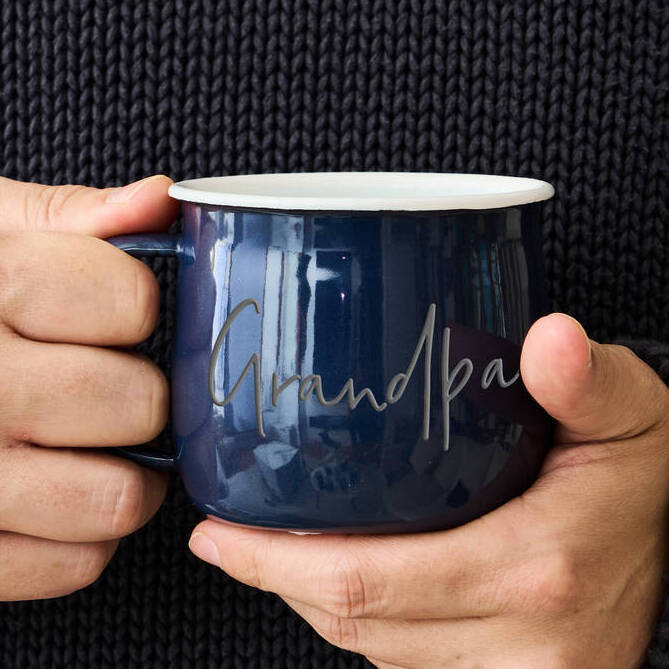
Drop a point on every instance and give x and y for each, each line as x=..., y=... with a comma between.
x=343, y=349
x=347, y=347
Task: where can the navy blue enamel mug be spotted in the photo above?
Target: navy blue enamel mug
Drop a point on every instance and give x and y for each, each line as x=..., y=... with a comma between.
x=347, y=346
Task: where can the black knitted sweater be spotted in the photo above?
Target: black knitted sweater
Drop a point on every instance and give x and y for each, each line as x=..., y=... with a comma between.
x=105, y=91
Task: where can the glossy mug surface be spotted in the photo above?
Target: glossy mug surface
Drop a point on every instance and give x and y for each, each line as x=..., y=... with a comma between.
x=346, y=355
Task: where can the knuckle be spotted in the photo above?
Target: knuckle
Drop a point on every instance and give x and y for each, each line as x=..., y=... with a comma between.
x=644, y=374
x=124, y=502
x=8, y=253
x=253, y=571
x=144, y=296
x=17, y=261
x=8, y=394
x=142, y=400
x=17, y=394
x=89, y=565
x=560, y=659
x=647, y=384
x=341, y=632
x=550, y=655
x=154, y=407
x=346, y=591
x=52, y=204
x=553, y=584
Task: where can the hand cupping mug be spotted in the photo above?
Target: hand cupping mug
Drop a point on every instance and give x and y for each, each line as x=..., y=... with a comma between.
x=347, y=346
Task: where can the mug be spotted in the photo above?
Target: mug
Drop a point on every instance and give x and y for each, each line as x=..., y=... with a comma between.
x=347, y=346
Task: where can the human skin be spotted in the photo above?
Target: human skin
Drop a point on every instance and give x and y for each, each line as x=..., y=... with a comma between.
x=566, y=576
x=70, y=306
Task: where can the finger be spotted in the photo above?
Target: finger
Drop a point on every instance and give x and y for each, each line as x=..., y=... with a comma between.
x=457, y=573
x=140, y=206
x=70, y=288
x=596, y=391
x=32, y=568
x=68, y=495
x=410, y=644
x=379, y=664
x=69, y=395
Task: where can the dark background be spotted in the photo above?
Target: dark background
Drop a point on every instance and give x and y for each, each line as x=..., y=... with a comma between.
x=101, y=93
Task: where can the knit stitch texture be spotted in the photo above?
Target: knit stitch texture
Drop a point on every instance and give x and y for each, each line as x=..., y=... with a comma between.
x=102, y=92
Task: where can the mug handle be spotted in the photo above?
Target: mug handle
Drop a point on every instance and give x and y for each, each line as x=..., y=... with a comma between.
x=148, y=245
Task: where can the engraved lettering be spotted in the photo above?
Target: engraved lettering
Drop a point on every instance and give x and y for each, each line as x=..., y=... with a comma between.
x=402, y=379
x=278, y=388
x=495, y=369
x=453, y=381
x=354, y=400
x=313, y=384
x=254, y=362
x=448, y=392
x=309, y=384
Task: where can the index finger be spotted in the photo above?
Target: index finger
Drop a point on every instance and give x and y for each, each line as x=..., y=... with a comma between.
x=138, y=207
x=72, y=288
x=449, y=574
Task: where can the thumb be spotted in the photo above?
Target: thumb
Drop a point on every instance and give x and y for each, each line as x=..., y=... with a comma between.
x=140, y=206
x=595, y=391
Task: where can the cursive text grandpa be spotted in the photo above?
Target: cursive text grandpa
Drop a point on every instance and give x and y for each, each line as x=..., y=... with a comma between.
x=453, y=380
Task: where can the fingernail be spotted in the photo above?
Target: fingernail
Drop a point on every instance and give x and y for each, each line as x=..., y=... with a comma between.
x=126, y=193
x=585, y=335
x=203, y=547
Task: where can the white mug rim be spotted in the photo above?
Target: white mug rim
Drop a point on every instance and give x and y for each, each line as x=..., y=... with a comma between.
x=363, y=191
